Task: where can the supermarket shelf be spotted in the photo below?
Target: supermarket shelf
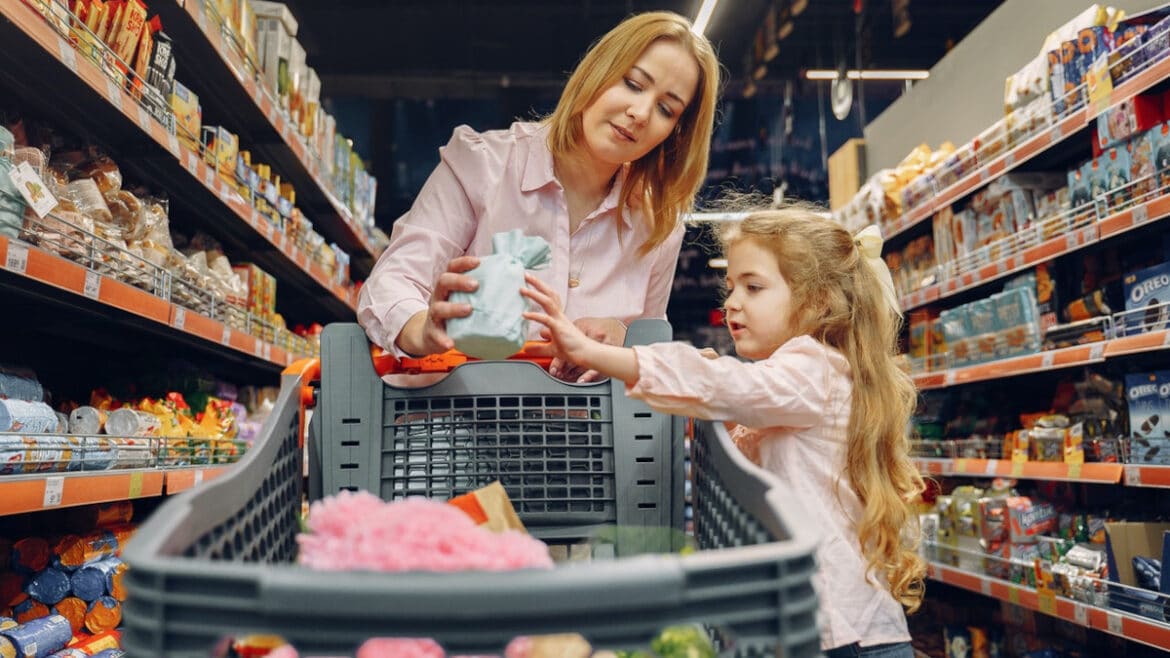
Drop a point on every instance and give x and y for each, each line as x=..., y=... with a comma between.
x=32, y=493
x=231, y=90
x=1090, y=473
x=182, y=479
x=51, y=270
x=88, y=102
x=1030, y=148
x=1077, y=355
x=1141, y=475
x=1114, y=622
x=1148, y=212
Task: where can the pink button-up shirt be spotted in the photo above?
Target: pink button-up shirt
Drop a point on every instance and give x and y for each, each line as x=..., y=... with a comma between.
x=501, y=180
x=792, y=411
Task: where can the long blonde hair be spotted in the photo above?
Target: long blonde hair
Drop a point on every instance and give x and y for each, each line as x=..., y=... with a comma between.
x=838, y=300
x=669, y=176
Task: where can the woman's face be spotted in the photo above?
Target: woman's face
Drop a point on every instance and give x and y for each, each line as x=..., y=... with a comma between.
x=638, y=112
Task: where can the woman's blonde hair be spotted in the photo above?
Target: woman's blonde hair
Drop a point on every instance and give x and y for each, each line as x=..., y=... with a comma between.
x=669, y=176
x=838, y=300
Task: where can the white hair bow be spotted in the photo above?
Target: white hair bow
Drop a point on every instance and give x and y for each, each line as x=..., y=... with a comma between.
x=869, y=243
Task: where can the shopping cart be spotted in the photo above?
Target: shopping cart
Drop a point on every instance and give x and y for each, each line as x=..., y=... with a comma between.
x=218, y=561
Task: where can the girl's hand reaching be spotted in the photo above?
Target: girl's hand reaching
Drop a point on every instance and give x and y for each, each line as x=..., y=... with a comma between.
x=569, y=343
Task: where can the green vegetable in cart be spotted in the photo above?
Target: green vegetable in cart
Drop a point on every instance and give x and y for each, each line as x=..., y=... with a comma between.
x=683, y=642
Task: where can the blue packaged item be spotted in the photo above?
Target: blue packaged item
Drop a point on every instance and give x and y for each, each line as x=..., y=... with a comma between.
x=29, y=417
x=1147, y=300
x=40, y=637
x=1148, y=398
x=48, y=586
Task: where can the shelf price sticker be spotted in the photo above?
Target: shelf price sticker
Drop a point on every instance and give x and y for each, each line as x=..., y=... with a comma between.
x=1097, y=351
x=1046, y=600
x=266, y=352
x=226, y=339
x=1014, y=595
x=1113, y=623
x=985, y=586
x=1074, y=470
x=1080, y=614
x=193, y=164
x=54, y=487
x=992, y=466
x=93, y=284
x=1133, y=476
x=144, y=118
x=68, y=54
x=16, y=260
x=209, y=178
x=1141, y=215
x=114, y=92
x=1071, y=240
x=949, y=378
x=1017, y=467
x=960, y=465
x=198, y=477
x=1047, y=359
x=135, y=484
x=1166, y=338
x=173, y=144
x=1056, y=134
x=180, y=321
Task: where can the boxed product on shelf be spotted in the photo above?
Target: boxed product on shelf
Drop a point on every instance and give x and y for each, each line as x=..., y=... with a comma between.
x=1127, y=119
x=1027, y=85
x=276, y=28
x=161, y=73
x=1148, y=398
x=221, y=148
x=188, y=115
x=1146, y=290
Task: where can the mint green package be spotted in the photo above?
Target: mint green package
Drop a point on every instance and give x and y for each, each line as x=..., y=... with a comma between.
x=496, y=328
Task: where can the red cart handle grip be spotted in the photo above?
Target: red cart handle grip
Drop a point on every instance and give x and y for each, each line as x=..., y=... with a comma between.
x=388, y=364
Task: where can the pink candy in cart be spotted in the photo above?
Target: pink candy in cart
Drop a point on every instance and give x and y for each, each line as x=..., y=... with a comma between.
x=354, y=531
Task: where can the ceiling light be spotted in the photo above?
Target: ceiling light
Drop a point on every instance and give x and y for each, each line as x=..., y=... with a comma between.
x=704, y=16
x=825, y=74
x=798, y=6
x=760, y=72
x=749, y=89
x=785, y=29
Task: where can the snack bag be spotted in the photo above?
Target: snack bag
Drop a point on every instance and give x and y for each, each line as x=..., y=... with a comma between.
x=496, y=328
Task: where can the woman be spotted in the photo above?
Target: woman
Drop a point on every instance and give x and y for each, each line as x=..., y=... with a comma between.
x=604, y=180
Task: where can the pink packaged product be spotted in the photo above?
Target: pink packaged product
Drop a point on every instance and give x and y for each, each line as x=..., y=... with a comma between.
x=1028, y=519
x=1127, y=119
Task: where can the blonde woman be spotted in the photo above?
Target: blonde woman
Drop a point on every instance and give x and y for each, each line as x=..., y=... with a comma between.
x=604, y=180
x=821, y=404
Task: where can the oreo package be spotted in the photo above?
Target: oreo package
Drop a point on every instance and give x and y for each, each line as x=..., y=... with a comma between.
x=1148, y=398
x=1147, y=299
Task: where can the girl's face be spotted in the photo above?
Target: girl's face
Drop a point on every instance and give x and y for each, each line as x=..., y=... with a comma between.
x=638, y=112
x=758, y=306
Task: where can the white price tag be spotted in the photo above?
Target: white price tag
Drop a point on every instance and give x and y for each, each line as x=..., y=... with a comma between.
x=1047, y=359
x=54, y=486
x=1080, y=614
x=949, y=378
x=32, y=189
x=209, y=178
x=17, y=258
x=985, y=586
x=93, y=284
x=226, y=339
x=266, y=353
x=992, y=464
x=68, y=54
x=225, y=194
x=1113, y=623
x=1166, y=339
x=173, y=145
x=144, y=118
x=1133, y=476
x=180, y=322
x=1055, y=135
x=193, y=164
x=1070, y=241
x=1001, y=267
x=1009, y=160
x=201, y=14
x=198, y=477
x=114, y=93
x=269, y=230
x=1097, y=351
x=1141, y=214
x=982, y=175
x=259, y=351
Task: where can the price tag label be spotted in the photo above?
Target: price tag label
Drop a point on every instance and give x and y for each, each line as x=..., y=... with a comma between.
x=1047, y=359
x=16, y=260
x=114, y=93
x=193, y=164
x=1070, y=241
x=1009, y=160
x=256, y=218
x=266, y=352
x=54, y=487
x=173, y=145
x=1014, y=595
x=960, y=465
x=992, y=467
x=93, y=284
x=198, y=477
x=949, y=378
x=200, y=14
x=269, y=230
x=1166, y=339
x=259, y=350
x=144, y=118
x=1017, y=468
x=209, y=178
x=1113, y=623
x=226, y=195
x=1141, y=214
x=1097, y=351
x=1056, y=134
x=32, y=189
x=982, y=175
x=1001, y=267
x=226, y=339
x=985, y=586
x=1133, y=476
x=1074, y=470
x=136, y=484
x=1080, y=614
x=1046, y=600
x=180, y=321
x=68, y=54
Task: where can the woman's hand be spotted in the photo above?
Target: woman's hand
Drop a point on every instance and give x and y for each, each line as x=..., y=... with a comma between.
x=426, y=332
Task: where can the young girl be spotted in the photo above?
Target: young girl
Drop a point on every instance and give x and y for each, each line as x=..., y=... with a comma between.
x=822, y=405
x=604, y=180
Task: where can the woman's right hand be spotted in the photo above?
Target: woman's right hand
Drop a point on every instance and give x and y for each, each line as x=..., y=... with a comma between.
x=426, y=331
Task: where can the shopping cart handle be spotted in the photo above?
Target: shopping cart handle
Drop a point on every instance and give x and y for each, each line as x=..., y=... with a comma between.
x=386, y=363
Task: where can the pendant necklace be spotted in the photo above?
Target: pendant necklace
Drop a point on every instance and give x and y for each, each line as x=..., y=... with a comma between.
x=575, y=279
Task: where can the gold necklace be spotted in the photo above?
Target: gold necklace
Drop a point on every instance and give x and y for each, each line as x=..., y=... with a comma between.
x=575, y=280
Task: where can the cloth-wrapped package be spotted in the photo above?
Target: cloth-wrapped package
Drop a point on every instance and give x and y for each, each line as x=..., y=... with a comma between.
x=496, y=328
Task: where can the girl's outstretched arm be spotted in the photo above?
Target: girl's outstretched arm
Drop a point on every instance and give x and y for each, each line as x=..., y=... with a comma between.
x=571, y=344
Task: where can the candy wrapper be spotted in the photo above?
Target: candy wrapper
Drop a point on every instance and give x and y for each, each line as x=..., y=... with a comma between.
x=490, y=507
x=496, y=328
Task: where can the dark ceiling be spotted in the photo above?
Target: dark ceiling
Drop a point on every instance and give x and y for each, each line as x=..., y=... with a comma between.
x=462, y=49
